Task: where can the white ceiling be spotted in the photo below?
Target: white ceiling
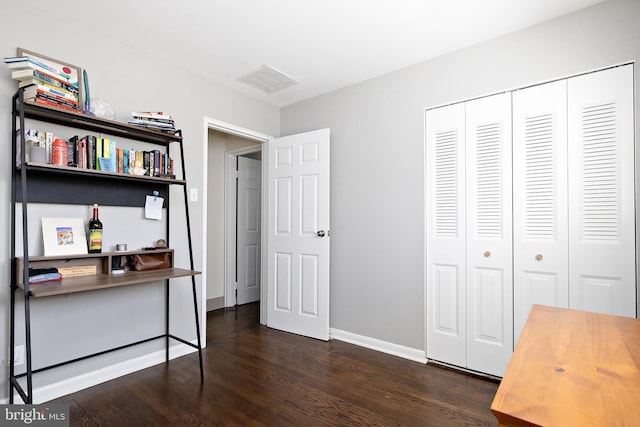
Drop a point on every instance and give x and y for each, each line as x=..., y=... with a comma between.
x=323, y=44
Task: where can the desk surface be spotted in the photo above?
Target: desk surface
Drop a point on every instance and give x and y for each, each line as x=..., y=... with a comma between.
x=572, y=368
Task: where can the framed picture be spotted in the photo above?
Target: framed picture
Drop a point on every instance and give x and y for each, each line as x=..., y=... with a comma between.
x=64, y=236
x=71, y=74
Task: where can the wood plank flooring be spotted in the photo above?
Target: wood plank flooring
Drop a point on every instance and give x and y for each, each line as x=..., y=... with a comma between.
x=256, y=376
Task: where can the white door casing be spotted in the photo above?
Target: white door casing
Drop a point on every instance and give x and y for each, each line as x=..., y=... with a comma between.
x=298, y=234
x=489, y=233
x=446, y=235
x=248, y=230
x=540, y=221
x=601, y=197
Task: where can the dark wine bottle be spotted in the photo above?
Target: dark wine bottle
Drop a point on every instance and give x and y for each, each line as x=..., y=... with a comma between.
x=95, y=232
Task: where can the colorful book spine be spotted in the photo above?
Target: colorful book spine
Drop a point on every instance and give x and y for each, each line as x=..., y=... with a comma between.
x=36, y=78
x=30, y=74
x=126, y=162
x=113, y=149
x=82, y=153
x=156, y=162
x=120, y=162
x=54, y=104
x=35, y=64
x=98, y=152
x=146, y=162
x=48, y=144
x=32, y=91
x=72, y=151
x=55, y=100
x=140, y=159
x=91, y=152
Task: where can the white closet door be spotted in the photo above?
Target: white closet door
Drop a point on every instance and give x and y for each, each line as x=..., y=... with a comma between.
x=601, y=197
x=489, y=234
x=540, y=213
x=445, y=228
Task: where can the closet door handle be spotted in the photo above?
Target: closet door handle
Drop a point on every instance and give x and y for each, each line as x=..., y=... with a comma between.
x=487, y=254
x=539, y=257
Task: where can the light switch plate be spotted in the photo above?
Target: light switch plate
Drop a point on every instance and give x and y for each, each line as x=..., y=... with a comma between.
x=193, y=195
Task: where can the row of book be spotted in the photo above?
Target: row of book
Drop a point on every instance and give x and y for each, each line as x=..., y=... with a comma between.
x=44, y=83
x=153, y=120
x=91, y=152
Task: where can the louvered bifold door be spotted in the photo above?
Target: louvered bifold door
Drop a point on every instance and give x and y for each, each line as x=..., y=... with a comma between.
x=540, y=211
x=445, y=229
x=489, y=234
x=601, y=192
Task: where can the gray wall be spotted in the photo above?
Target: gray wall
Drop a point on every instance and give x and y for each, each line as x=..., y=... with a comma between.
x=84, y=323
x=377, y=139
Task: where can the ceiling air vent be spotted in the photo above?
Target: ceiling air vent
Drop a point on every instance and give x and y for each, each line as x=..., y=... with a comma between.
x=267, y=79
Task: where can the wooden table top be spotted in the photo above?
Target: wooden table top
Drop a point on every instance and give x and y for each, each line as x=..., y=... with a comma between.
x=572, y=368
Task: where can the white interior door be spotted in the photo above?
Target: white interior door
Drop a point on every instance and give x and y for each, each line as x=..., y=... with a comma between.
x=298, y=234
x=489, y=234
x=445, y=227
x=540, y=212
x=248, y=230
x=601, y=197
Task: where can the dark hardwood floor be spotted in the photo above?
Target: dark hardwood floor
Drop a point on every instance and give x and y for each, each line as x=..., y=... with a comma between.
x=258, y=376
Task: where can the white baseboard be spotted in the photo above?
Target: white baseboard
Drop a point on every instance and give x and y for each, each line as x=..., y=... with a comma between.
x=379, y=345
x=215, y=303
x=71, y=385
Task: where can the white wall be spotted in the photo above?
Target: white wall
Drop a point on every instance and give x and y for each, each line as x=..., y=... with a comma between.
x=129, y=80
x=377, y=172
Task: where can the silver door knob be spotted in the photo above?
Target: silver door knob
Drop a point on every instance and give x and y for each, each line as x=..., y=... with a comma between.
x=320, y=233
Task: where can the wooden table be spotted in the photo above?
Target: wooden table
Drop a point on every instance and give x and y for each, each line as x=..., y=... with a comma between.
x=572, y=368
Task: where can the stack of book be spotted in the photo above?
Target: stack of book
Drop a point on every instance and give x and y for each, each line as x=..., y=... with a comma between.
x=44, y=83
x=153, y=120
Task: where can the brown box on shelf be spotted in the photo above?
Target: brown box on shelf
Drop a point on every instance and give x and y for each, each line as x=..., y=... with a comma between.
x=81, y=270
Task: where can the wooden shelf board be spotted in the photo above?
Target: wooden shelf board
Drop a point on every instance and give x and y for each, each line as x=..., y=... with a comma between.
x=45, y=167
x=97, y=124
x=94, y=255
x=104, y=281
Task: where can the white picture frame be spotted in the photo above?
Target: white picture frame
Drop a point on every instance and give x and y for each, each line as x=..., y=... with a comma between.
x=64, y=236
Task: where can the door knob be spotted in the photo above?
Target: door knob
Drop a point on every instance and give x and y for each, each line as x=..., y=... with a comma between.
x=487, y=254
x=320, y=233
x=539, y=257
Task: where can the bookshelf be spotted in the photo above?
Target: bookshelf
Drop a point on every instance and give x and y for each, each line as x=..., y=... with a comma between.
x=46, y=183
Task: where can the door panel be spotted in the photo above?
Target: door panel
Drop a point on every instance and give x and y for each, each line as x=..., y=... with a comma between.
x=445, y=228
x=489, y=234
x=283, y=285
x=540, y=214
x=298, y=234
x=601, y=197
x=486, y=305
x=248, y=230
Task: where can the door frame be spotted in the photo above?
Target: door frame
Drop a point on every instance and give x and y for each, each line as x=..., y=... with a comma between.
x=260, y=138
x=231, y=220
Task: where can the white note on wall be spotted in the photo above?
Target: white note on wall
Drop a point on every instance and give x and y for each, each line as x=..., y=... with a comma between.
x=153, y=207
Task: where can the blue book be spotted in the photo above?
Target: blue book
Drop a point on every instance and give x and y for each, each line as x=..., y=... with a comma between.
x=46, y=277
